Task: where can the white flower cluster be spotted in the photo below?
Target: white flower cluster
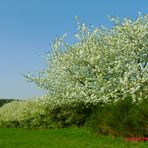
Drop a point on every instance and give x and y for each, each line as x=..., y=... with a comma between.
x=105, y=65
x=20, y=112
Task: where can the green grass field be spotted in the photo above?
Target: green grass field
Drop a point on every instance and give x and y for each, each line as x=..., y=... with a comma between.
x=61, y=138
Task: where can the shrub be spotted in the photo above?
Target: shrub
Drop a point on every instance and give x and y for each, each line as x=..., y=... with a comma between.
x=123, y=118
x=70, y=114
x=26, y=114
x=44, y=113
x=64, y=112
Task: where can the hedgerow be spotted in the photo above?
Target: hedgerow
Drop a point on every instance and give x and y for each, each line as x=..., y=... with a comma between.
x=123, y=118
x=36, y=114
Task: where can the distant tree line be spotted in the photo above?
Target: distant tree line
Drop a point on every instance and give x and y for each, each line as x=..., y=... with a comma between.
x=3, y=101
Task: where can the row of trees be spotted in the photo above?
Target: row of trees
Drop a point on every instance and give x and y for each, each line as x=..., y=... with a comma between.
x=4, y=101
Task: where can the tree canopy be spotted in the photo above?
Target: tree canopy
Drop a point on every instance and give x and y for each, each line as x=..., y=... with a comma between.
x=103, y=65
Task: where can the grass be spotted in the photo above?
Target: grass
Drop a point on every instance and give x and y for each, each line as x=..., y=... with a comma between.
x=61, y=138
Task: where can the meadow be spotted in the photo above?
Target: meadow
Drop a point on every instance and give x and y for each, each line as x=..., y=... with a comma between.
x=61, y=138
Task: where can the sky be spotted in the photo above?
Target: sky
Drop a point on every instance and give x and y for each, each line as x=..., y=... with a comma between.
x=28, y=27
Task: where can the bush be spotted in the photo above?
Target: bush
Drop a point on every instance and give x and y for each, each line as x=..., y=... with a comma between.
x=26, y=114
x=70, y=114
x=123, y=118
x=65, y=112
x=38, y=114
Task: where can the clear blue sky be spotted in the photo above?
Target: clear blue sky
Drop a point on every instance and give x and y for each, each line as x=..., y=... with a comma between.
x=27, y=27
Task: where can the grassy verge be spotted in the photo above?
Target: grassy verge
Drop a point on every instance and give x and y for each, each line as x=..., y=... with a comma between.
x=61, y=138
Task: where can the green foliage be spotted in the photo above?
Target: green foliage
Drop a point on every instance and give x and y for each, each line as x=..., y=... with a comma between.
x=104, y=65
x=123, y=118
x=4, y=101
x=70, y=114
x=37, y=114
x=26, y=114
